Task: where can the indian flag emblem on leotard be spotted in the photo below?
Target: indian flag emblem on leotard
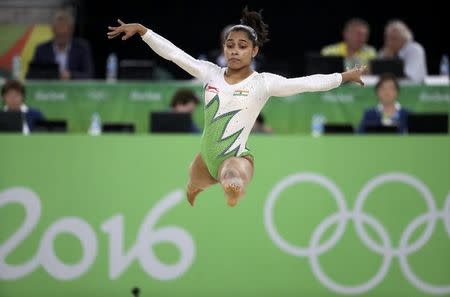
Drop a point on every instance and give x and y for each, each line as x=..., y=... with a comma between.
x=240, y=93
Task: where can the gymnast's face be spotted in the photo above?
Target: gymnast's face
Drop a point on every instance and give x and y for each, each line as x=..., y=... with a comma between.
x=239, y=50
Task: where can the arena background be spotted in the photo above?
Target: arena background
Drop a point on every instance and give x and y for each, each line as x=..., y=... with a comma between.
x=328, y=216
x=295, y=26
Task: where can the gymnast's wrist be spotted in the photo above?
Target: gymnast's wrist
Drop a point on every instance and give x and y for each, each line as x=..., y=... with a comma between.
x=142, y=30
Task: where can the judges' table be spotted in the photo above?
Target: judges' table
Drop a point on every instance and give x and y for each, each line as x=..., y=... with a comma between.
x=132, y=102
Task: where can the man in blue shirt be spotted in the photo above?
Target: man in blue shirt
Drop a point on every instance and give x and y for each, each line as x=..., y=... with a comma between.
x=13, y=94
x=73, y=55
x=388, y=112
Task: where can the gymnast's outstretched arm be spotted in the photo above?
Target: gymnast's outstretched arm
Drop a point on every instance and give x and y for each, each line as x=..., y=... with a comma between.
x=163, y=47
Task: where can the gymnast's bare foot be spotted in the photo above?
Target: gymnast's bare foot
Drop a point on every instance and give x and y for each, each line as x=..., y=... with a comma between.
x=234, y=189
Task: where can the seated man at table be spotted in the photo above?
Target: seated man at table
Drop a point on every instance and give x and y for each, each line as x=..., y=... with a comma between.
x=388, y=112
x=185, y=101
x=354, y=47
x=72, y=55
x=13, y=94
x=399, y=43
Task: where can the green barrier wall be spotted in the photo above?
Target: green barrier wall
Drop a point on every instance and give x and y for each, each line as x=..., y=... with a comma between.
x=335, y=216
x=132, y=102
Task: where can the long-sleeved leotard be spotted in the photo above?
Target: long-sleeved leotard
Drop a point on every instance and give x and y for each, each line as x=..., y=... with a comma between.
x=232, y=109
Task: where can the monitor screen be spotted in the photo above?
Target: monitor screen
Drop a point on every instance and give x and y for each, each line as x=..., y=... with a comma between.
x=170, y=122
x=318, y=64
x=380, y=66
x=428, y=123
x=56, y=126
x=11, y=121
x=43, y=71
x=330, y=128
x=380, y=129
x=136, y=69
x=118, y=128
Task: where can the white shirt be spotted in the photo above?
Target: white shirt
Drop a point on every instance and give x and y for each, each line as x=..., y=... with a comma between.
x=62, y=56
x=414, y=59
x=389, y=120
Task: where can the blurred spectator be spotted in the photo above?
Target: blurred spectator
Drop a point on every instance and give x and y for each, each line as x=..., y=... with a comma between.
x=388, y=112
x=260, y=126
x=353, y=47
x=399, y=43
x=13, y=94
x=73, y=55
x=216, y=55
x=185, y=100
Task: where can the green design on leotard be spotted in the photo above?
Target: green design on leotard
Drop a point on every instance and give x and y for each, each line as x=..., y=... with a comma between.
x=214, y=147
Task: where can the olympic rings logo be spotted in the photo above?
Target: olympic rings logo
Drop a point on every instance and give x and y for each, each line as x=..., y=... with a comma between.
x=359, y=217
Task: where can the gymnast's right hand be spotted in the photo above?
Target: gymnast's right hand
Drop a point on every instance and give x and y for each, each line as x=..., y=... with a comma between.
x=128, y=30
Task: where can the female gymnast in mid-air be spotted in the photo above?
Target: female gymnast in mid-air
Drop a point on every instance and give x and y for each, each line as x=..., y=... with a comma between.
x=234, y=96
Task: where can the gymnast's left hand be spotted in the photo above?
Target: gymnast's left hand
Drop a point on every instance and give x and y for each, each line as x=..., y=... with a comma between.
x=354, y=74
x=127, y=30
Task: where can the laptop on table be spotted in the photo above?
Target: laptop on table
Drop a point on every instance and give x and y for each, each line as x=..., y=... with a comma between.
x=43, y=71
x=11, y=121
x=170, y=122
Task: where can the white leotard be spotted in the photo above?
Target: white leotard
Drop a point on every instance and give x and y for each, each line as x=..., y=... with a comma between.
x=232, y=109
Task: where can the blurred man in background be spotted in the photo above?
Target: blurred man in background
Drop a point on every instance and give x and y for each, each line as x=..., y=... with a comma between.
x=353, y=47
x=73, y=55
x=13, y=94
x=185, y=100
x=388, y=112
x=399, y=43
